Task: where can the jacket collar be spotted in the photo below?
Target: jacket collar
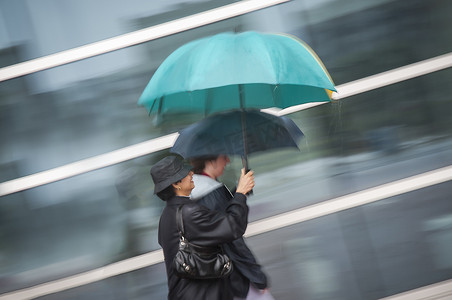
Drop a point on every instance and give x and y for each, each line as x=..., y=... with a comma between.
x=177, y=200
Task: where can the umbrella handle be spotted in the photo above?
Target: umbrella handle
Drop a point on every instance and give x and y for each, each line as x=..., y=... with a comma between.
x=245, y=164
x=247, y=169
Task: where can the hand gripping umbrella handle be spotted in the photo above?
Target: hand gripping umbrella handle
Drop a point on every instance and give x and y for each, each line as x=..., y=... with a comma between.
x=245, y=165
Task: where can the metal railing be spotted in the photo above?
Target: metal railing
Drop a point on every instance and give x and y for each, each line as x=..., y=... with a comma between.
x=104, y=160
x=258, y=227
x=135, y=38
x=145, y=148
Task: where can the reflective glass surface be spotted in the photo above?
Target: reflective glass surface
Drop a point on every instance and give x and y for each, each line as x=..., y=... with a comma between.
x=370, y=252
x=43, y=27
x=86, y=108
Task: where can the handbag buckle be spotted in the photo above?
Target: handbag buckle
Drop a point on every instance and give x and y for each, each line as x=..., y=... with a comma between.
x=186, y=267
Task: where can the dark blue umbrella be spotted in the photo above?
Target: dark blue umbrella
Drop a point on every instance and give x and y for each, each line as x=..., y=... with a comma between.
x=225, y=133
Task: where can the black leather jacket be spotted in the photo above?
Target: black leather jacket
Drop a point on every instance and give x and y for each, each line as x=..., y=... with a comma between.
x=246, y=268
x=206, y=228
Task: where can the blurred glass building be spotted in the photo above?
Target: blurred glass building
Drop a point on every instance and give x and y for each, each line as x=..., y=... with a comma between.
x=76, y=111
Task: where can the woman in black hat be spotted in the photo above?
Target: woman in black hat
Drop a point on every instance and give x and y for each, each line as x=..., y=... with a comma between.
x=204, y=227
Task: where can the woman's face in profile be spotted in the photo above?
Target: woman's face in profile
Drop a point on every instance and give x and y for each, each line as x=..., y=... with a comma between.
x=187, y=183
x=220, y=163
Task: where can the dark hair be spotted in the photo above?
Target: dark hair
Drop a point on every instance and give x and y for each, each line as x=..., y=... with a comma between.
x=167, y=193
x=199, y=163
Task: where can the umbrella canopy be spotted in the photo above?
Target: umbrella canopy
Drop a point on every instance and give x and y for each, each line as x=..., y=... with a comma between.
x=222, y=133
x=245, y=70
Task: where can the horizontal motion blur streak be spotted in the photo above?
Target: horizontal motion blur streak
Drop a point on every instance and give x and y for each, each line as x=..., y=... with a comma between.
x=135, y=38
x=145, y=148
x=396, y=75
x=352, y=200
x=258, y=227
x=437, y=291
x=87, y=165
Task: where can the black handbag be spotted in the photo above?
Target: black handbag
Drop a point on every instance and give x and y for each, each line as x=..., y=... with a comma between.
x=199, y=262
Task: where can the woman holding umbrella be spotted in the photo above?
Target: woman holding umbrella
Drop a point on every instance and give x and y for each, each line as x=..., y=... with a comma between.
x=248, y=281
x=203, y=227
x=229, y=71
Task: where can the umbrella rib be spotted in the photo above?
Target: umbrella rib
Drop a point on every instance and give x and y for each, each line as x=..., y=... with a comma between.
x=276, y=80
x=160, y=105
x=152, y=107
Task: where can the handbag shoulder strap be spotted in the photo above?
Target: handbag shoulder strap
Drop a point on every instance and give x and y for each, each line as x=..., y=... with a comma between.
x=180, y=221
x=180, y=228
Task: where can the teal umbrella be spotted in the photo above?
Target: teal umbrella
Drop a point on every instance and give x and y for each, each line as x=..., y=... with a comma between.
x=244, y=70
x=237, y=71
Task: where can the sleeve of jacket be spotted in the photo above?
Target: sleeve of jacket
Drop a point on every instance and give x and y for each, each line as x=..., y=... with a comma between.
x=206, y=227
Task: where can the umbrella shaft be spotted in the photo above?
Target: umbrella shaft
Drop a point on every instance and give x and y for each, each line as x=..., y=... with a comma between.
x=243, y=120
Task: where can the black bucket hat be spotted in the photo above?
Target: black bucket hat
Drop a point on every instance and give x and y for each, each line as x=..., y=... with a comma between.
x=167, y=171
